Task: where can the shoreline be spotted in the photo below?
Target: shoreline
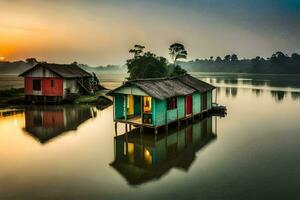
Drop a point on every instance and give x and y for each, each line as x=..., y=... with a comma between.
x=15, y=97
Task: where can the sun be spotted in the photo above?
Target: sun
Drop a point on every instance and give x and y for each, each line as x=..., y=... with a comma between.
x=1, y=58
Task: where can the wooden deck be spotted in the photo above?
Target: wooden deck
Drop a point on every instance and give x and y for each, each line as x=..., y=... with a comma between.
x=137, y=121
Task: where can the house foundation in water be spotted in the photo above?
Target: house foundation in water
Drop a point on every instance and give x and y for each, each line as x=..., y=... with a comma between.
x=141, y=158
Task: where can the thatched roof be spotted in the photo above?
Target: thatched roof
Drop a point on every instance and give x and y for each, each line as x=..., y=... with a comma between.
x=62, y=70
x=162, y=88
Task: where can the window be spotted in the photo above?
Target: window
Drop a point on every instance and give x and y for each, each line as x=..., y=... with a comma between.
x=37, y=85
x=172, y=103
x=52, y=83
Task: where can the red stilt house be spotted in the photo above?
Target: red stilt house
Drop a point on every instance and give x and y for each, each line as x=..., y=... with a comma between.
x=47, y=82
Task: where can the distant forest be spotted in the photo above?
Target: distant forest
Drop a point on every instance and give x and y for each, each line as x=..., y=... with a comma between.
x=17, y=67
x=278, y=63
x=108, y=68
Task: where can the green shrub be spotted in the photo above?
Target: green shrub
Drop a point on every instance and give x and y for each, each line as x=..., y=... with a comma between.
x=11, y=92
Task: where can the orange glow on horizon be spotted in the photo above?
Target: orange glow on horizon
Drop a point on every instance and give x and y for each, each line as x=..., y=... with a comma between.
x=1, y=58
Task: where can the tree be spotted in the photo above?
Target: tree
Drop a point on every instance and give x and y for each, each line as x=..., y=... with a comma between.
x=227, y=58
x=137, y=50
x=255, y=62
x=218, y=59
x=31, y=61
x=74, y=63
x=146, y=65
x=177, y=51
x=234, y=58
x=278, y=57
x=295, y=56
x=176, y=70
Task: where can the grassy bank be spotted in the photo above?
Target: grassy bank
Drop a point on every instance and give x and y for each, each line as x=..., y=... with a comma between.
x=98, y=99
x=13, y=97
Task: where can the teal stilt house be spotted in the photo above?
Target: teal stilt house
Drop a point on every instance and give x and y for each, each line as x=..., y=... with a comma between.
x=161, y=101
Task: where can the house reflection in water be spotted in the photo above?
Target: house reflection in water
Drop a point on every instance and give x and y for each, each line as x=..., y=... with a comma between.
x=47, y=122
x=143, y=157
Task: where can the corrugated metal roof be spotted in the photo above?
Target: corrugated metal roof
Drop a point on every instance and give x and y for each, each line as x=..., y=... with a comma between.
x=195, y=83
x=63, y=70
x=162, y=88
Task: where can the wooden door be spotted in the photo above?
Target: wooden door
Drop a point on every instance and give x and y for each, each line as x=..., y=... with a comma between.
x=188, y=102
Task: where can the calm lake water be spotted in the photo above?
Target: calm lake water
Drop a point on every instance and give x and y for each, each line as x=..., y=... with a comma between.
x=67, y=152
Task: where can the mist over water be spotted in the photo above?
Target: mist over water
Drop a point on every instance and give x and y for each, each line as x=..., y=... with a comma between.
x=251, y=153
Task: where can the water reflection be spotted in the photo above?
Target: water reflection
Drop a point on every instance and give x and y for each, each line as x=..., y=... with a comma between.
x=255, y=80
x=257, y=92
x=10, y=112
x=278, y=95
x=231, y=81
x=231, y=92
x=140, y=158
x=47, y=122
x=295, y=95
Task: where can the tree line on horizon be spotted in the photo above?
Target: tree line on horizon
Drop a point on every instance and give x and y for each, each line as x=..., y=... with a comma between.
x=145, y=64
x=277, y=63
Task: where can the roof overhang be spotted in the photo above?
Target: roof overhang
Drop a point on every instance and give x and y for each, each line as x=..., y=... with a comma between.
x=128, y=84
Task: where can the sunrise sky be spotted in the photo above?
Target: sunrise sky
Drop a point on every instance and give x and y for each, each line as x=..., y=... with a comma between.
x=101, y=32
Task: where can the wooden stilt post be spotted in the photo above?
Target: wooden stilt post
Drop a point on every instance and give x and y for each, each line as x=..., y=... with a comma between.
x=177, y=118
x=126, y=138
x=155, y=131
x=141, y=129
x=216, y=124
x=166, y=121
x=116, y=128
x=166, y=139
x=216, y=95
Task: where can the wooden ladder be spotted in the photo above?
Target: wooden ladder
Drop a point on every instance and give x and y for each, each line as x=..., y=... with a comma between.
x=88, y=91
